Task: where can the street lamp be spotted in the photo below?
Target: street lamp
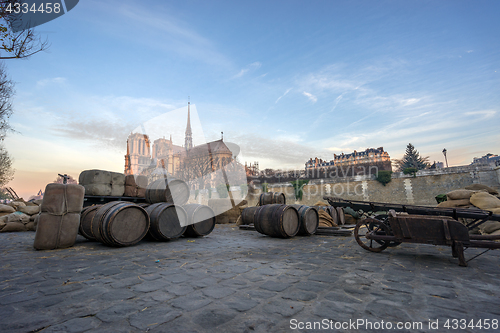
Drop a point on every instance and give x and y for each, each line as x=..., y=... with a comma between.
x=444, y=153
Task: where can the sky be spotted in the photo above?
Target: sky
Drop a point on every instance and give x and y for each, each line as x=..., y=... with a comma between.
x=284, y=80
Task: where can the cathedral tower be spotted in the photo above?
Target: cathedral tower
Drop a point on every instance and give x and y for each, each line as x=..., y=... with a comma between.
x=188, y=141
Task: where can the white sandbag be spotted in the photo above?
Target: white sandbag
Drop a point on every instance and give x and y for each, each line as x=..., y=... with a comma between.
x=30, y=210
x=98, y=189
x=14, y=227
x=485, y=201
x=94, y=177
x=7, y=209
x=18, y=217
x=117, y=190
x=459, y=194
x=117, y=178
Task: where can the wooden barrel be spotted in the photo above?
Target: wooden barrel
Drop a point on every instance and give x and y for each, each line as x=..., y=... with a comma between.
x=309, y=219
x=167, y=221
x=248, y=215
x=86, y=217
x=269, y=198
x=143, y=205
x=277, y=221
x=201, y=220
x=168, y=190
x=120, y=223
x=330, y=210
x=340, y=216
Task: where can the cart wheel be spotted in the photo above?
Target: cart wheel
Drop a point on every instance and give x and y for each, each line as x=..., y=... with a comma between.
x=385, y=219
x=374, y=227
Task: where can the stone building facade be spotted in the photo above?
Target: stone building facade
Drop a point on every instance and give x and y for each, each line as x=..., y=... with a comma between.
x=352, y=164
x=164, y=158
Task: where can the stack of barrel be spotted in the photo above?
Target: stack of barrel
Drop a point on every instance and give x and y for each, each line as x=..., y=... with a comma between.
x=165, y=217
x=276, y=219
x=117, y=223
x=190, y=220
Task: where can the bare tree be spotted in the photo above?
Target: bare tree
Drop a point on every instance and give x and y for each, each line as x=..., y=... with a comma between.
x=21, y=44
x=6, y=92
x=6, y=170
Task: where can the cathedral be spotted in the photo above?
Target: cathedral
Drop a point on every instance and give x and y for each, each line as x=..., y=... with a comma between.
x=164, y=158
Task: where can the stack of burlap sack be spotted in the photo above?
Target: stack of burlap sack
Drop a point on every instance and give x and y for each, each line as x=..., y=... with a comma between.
x=325, y=219
x=476, y=196
x=19, y=215
x=102, y=183
x=135, y=186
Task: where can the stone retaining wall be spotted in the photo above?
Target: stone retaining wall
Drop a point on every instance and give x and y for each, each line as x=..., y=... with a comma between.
x=403, y=189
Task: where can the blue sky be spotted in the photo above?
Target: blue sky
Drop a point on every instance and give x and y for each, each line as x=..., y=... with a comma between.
x=285, y=80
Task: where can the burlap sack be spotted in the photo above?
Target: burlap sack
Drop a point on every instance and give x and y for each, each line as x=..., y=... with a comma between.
x=325, y=220
x=7, y=209
x=98, y=189
x=495, y=211
x=4, y=218
x=485, y=201
x=130, y=180
x=18, y=217
x=32, y=217
x=455, y=203
x=141, y=192
x=138, y=181
x=56, y=231
x=30, y=226
x=62, y=198
x=38, y=202
x=459, y=194
x=14, y=227
x=2, y=224
x=489, y=226
x=495, y=233
x=141, y=181
x=477, y=187
x=29, y=203
x=30, y=210
x=117, y=178
x=3, y=214
x=16, y=204
x=130, y=191
x=117, y=190
x=94, y=176
x=320, y=203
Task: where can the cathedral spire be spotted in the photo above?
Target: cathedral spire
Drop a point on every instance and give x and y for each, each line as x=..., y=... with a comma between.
x=188, y=142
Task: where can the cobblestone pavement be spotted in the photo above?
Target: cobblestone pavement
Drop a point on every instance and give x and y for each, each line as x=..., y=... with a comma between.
x=239, y=281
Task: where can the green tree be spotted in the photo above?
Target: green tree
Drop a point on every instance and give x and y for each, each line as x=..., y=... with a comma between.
x=298, y=185
x=412, y=159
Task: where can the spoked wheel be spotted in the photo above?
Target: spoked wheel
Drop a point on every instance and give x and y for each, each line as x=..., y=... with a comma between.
x=374, y=227
x=385, y=219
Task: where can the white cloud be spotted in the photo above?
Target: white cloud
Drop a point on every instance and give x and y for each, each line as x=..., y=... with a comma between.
x=313, y=98
x=485, y=114
x=252, y=67
x=286, y=92
x=51, y=81
x=165, y=31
